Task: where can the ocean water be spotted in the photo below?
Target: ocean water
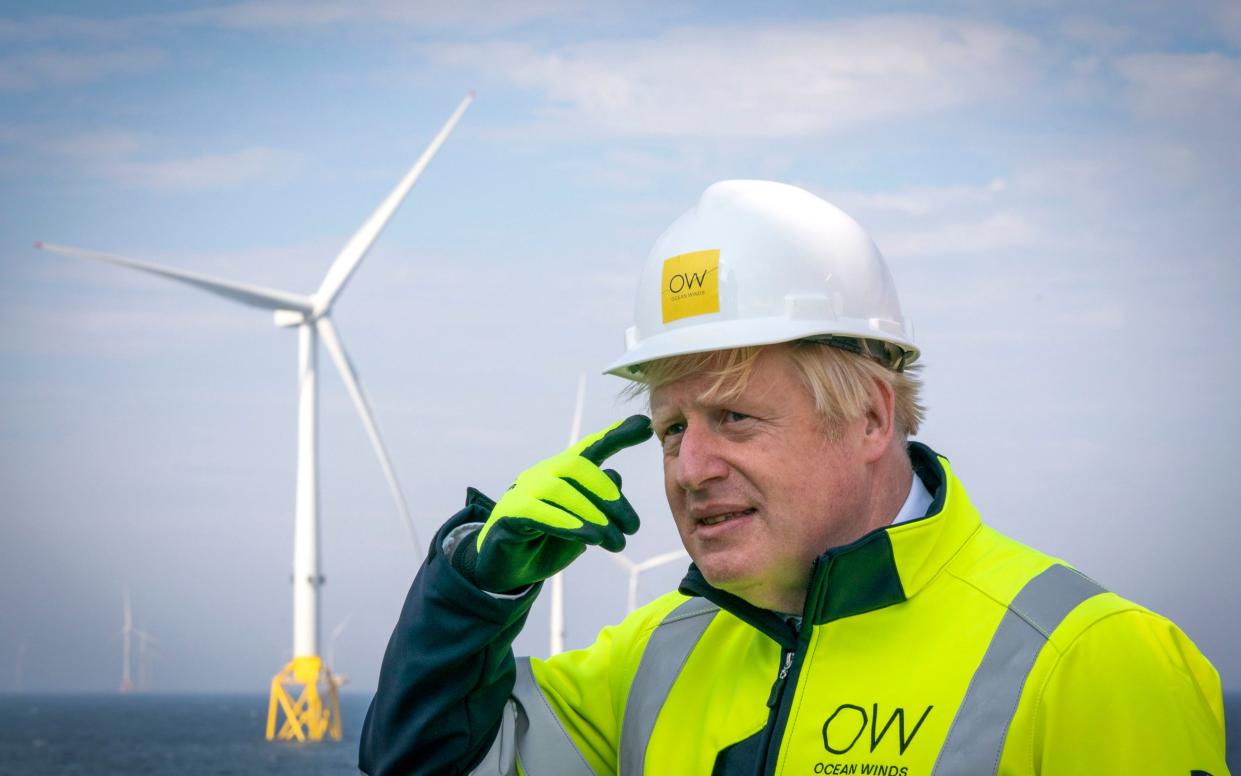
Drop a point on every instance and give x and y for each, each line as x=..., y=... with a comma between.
x=211, y=735
x=207, y=735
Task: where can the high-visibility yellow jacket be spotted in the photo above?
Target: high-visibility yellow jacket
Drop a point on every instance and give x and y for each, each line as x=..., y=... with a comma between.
x=936, y=646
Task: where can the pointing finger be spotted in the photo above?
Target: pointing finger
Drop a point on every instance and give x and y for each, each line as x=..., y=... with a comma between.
x=631, y=431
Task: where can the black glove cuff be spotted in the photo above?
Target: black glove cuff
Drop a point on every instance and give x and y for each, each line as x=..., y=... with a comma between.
x=476, y=498
x=465, y=556
x=464, y=553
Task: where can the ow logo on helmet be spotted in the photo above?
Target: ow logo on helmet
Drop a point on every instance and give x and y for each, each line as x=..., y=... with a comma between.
x=691, y=285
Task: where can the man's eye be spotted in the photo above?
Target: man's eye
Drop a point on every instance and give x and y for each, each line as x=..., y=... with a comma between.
x=733, y=416
x=673, y=428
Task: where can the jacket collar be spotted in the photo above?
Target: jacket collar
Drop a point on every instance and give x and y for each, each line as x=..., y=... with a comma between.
x=885, y=567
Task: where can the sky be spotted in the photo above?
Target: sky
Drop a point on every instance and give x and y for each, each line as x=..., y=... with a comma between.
x=1053, y=184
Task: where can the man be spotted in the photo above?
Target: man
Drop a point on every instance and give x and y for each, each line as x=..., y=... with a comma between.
x=846, y=611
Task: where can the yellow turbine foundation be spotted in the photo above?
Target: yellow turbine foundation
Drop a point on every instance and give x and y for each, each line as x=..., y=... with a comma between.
x=304, y=695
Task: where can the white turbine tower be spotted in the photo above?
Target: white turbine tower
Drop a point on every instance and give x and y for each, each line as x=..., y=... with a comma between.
x=556, y=610
x=127, y=634
x=306, y=717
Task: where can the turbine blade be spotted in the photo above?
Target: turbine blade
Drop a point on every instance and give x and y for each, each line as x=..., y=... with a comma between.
x=661, y=559
x=255, y=296
x=355, y=250
x=340, y=627
x=145, y=637
x=575, y=430
x=330, y=339
x=621, y=560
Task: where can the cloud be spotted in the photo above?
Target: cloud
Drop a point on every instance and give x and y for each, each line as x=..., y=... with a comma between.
x=41, y=29
x=209, y=171
x=62, y=49
x=1226, y=21
x=465, y=15
x=923, y=200
x=951, y=220
x=1003, y=230
x=1096, y=34
x=627, y=169
x=85, y=146
x=45, y=68
x=131, y=160
x=163, y=325
x=1185, y=89
x=776, y=81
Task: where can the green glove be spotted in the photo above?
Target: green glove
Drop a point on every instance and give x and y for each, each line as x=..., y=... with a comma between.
x=556, y=508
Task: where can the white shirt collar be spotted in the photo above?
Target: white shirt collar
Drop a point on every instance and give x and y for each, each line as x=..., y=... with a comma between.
x=916, y=503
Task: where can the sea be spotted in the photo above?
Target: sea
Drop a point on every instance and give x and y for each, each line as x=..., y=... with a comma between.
x=208, y=735
x=211, y=735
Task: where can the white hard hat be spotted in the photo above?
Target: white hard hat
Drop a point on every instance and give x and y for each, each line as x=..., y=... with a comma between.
x=756, y=263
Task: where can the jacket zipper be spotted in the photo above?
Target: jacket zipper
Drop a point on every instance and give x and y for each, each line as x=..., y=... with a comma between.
x=780, y=701
x=773, y=706
x=777, y=687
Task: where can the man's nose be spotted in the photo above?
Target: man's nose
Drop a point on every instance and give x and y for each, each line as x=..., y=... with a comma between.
x=698, y=460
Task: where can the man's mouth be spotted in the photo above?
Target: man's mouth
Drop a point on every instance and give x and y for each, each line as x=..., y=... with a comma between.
x=717, y=519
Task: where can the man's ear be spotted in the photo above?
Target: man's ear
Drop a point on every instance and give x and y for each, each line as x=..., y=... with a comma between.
x=880, y=420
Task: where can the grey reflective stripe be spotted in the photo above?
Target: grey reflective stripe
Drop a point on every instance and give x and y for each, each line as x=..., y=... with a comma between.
x=976, y=737
x=665, y=654
x=543, y=746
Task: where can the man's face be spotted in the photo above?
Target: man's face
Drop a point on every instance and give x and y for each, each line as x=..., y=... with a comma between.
x=756, y=486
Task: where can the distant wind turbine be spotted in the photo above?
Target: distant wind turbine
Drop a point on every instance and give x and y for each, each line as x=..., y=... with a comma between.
x=306, y=717
x=18, y=669
x=127, y=632
x=146, y=652
x=634, y=570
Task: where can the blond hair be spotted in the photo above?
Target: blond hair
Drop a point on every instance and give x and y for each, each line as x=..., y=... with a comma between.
x=838, y=380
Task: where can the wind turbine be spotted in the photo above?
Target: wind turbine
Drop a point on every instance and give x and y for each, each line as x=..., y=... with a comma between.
x=556, y=610
x=19, y=673
x=127, y=632
x=311, y=315
x=146, y=651
x=634, y=570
